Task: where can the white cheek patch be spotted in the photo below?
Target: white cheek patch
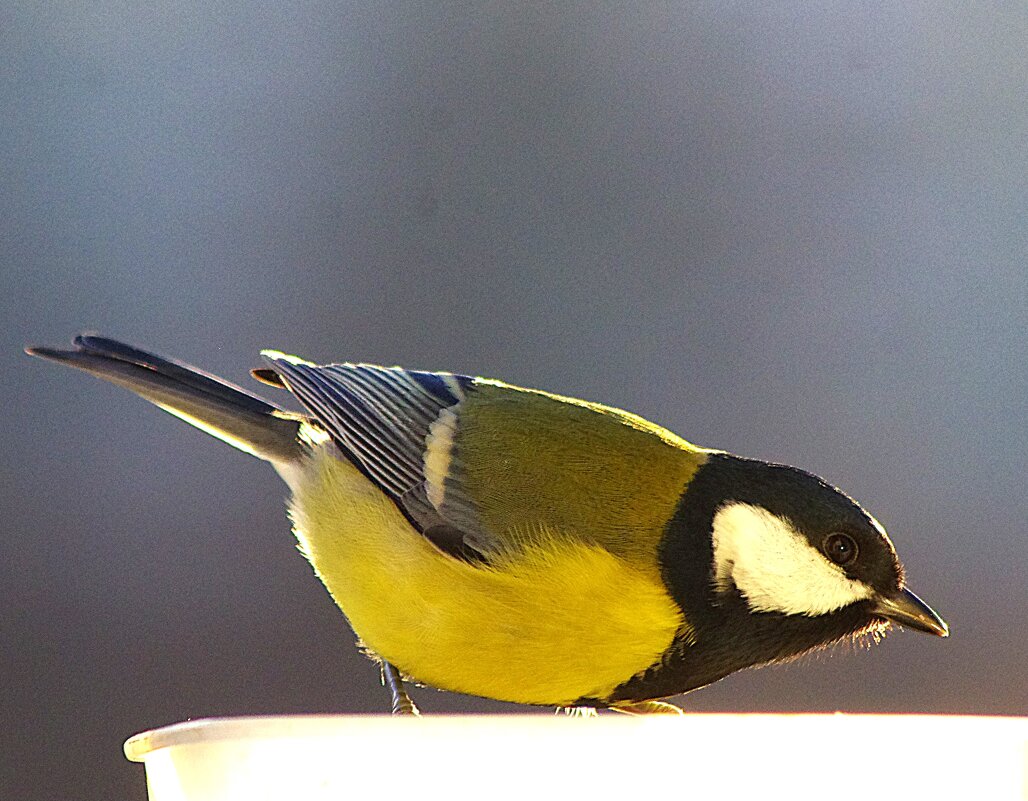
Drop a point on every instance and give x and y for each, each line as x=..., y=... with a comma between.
x=775, y=567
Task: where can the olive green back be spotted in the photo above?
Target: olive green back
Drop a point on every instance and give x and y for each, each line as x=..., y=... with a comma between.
x=543, y=466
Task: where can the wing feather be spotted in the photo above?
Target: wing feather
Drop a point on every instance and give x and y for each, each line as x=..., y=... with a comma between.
x=380, y=415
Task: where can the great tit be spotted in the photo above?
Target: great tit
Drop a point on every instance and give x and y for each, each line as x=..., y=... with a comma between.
x=513, y=544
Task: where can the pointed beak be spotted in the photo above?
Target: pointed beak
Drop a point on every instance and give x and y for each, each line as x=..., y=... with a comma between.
x=908, y=610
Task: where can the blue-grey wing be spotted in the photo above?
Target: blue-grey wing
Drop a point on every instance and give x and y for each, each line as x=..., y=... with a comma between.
x=380, y=417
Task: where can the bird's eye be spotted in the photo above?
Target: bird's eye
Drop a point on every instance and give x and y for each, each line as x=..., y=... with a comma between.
x=840, y=548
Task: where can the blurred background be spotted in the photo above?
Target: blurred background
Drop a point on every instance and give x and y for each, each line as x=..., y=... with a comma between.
x=794, y=232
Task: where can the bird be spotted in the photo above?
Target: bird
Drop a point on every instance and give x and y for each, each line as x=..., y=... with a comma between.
x=518, y=545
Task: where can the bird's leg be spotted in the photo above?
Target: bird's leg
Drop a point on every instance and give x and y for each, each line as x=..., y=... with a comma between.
x=647, y=708
x=402, y=705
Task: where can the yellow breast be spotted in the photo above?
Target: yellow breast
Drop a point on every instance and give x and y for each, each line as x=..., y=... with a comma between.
x=553, y=623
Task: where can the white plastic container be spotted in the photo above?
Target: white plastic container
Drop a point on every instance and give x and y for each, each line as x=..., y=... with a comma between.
x=695, y=756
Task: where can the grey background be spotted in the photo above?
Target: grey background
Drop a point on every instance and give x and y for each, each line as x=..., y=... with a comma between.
x=792, y=231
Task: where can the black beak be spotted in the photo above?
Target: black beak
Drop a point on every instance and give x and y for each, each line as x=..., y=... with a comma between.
x=908, y=610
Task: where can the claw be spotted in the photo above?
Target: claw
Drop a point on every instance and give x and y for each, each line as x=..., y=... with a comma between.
x=647, y=708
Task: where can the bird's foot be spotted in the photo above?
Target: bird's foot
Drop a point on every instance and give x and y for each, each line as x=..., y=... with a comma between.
x=577, y=711
x=647, y=708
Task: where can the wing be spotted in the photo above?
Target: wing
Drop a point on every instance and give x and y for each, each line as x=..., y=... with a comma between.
x=485, y=468
x=380, y=415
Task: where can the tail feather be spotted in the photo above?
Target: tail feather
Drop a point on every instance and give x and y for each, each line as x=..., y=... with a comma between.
x=224, y=410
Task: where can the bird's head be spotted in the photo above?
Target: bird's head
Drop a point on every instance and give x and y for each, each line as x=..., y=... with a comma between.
x=788, y=542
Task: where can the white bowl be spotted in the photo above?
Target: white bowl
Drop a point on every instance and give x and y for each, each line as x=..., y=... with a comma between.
x=695, y=756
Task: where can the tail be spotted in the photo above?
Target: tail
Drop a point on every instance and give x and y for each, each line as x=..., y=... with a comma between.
x=223, y=410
